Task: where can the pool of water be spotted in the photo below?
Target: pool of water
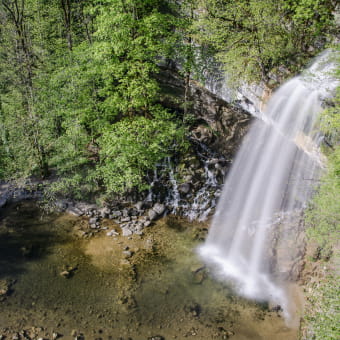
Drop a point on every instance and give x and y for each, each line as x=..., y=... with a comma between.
x=118, y=287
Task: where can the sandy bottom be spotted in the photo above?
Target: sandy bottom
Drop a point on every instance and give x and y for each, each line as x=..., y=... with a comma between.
x=119, y=288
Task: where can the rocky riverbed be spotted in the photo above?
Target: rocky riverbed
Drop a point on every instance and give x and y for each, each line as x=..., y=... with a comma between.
x=62, y=278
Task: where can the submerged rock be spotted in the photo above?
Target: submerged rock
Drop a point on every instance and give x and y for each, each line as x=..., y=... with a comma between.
x=5, y=288
x=65, y=273
x=127, y=254
x=55, y=335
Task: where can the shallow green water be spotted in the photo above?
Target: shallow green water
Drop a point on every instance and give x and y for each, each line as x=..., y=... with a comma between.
x=156, y=291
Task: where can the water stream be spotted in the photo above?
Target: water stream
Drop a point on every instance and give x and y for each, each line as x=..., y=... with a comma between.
x=272, y=174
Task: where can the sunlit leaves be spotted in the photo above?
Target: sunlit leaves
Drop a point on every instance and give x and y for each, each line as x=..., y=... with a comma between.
x=132, y=146
x=254, y=38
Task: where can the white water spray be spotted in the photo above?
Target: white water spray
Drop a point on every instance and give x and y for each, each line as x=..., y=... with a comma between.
x=273, y=173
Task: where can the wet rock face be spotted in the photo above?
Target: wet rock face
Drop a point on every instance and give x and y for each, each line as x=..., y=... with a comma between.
x=219, y=124
x=222, y=124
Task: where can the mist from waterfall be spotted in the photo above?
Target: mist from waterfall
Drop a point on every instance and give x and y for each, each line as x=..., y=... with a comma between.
x=273, y=174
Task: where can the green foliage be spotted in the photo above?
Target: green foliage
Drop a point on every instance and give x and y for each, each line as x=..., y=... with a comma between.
x=253, y=38
x=330, y=120
x=74, y=75
x=311, y=15
x=130, y=37
x=79, y=92
x=323, y=216
x=132, y=146
x=324, y=316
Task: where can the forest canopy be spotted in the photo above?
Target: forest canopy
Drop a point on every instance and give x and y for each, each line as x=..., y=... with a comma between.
x=79, y=92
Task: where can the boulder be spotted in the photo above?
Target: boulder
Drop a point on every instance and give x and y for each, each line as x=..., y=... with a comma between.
x=74, y=211
x=184, y=188
x=159, y=208
x=104, y=212
x=115, y=214
x=112, y=233
x=152, y=214
x=85, y=207
x=93, y=220
x=146, y=223
x=134, y=212
x=139, y=205
x=61, y=205
x=126, y=231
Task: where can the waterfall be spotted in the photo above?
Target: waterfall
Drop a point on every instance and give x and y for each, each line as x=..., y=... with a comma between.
x=271, y=176
x=173, y=196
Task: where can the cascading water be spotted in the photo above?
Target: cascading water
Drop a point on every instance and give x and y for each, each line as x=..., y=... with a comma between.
x=272, y=174
x=173, y=197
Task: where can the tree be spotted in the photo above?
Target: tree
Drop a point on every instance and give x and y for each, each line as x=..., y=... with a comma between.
x=20, y=119
x=131, y=147
x=255, y=38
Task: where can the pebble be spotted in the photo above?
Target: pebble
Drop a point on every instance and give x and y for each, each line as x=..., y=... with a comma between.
x=66, y=274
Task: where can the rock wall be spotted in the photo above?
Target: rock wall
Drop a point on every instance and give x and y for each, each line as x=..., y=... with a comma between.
x=216, y=123
x=222, y=125
x=189, y=184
